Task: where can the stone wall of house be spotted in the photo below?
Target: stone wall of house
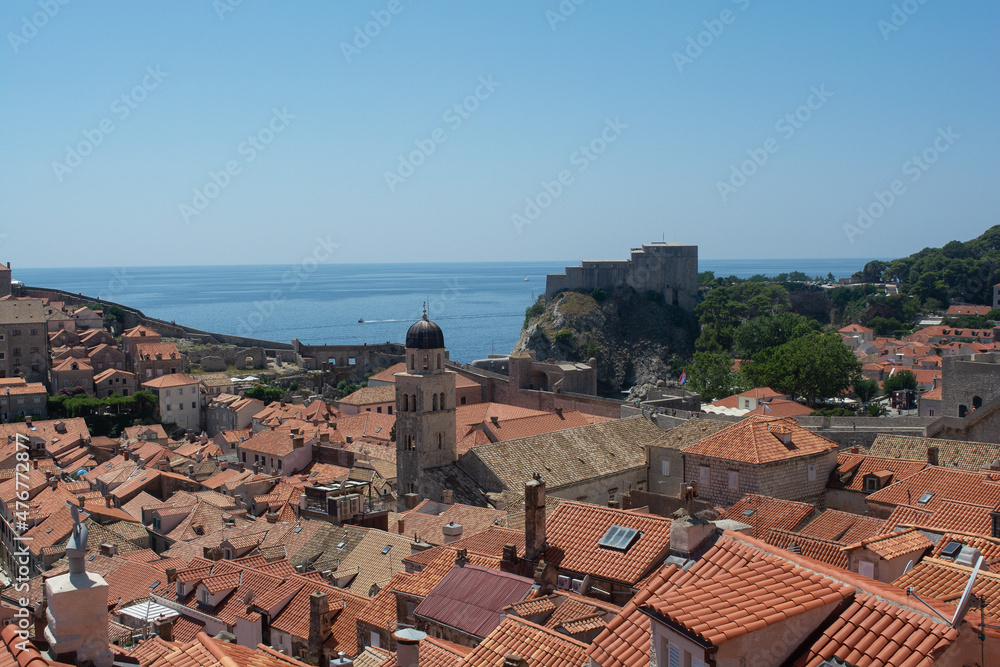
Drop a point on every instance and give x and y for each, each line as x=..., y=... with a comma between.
x=969, y=381
x=790, y=480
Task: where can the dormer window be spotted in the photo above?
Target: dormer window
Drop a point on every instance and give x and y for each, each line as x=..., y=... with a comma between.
x=871, y=484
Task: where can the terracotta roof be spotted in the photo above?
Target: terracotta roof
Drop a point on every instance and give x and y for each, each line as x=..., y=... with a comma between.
x=933, y=485
x=896, y=544
x=945, y=580
x=373, y=564
x=856, y=328
x=434, y=652
x=825, y=551
x=780, y=407
x=156, y=351
x=988, y=546
x=764, y=513
x=946, y=516
x=170, y=380
x=759, y=393
x=690, y=432
x=574, y=530
x=472, y=598
x=935, y=394
x=526, y=427
x=428, y=519
x=140, y=332
x=951, y=453
x=843, y=527
x=383, y=393
x=755, y=440
x=381, y=609
x=536, y=645
x=423, y=582
x=748, y=599
x=852, y=468
x=878, y=634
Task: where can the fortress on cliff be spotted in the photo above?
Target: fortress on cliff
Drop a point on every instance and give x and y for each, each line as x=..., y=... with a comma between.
x=670, y=269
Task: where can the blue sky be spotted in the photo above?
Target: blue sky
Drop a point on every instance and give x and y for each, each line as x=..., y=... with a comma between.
x=580, y=130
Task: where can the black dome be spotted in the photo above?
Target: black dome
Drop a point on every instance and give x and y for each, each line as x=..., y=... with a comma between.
x=424, y=335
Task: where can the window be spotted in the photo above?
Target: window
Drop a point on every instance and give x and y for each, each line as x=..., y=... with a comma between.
x=673, y=656
x=34, y=332
x=389, y=408
x=704, y=474
x=871, y=484
x=34, y=349
x=375, y=639
x=812, y=472
x=193, y=405
x=866, y=569
x=244, y=457
x=734, y=479
x=665, y=468
x=205, y=597
x=168, y=407
x=463, y=400
x=167, y=392
x=16, y=351
x=15, y=332
x=930, y=412
x=440, y=441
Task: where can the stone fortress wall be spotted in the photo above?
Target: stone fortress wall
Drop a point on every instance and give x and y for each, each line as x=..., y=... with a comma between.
x=670, y=269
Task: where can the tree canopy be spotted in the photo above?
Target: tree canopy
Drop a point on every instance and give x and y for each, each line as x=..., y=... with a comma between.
x=815, y=365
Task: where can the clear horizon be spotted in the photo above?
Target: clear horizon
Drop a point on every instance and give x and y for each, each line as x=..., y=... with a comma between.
x=239, y=133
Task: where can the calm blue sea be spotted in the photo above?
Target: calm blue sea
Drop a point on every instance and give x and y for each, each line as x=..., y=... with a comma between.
x=479, y=306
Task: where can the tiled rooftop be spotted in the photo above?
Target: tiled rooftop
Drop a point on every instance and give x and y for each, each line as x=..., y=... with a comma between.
x=755, y=440
x=764, y=513
x=894, y=545
x=536, y=645
x=852, y=468
x=946, y=516
x=472, y=598
x=951, y=453
x=845, y=527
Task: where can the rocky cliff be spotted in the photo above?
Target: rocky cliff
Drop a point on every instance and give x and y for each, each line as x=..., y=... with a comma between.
x=632, y=336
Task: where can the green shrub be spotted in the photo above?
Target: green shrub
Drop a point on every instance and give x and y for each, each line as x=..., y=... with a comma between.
x=565, y=338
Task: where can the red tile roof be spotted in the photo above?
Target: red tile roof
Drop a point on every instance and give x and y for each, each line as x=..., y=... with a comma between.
x=825, y=551
x=766, y=513
x=895, y=545
x=748, y=599
x=875, y=633
x=472, y=598
x=574, y=529
x=942, y=484
x=842, y=527
x=852, y=468
x=756, y=440
x=947, y=516
x=538, y=646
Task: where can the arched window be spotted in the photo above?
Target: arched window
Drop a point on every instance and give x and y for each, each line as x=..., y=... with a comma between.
x=439, y=361
x=963, y=410
x=413, y=362
x=435, y=402
x=406, y=403
x=440, y=441
x=426, y=363
x=977, y=402
x=441, y=403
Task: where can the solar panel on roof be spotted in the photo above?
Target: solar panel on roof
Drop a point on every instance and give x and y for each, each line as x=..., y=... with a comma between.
x=619, y=538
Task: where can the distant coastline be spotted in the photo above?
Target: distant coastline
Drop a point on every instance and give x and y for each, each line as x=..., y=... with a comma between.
x=480, y=306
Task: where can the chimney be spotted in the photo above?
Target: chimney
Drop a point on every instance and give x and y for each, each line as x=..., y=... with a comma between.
x=191, y=470
x=461, y=558
x=164, y=627
x=446, y=496
x=627, y=500
x=224, y=465
x=81, y=500
x=341, y=661
x=495, y=420
x=162, y=464
x=108, y=549
x=107, y=501
x=298, y=442
x=127, y=454
x=53, y=482
x=854, y=449
x=932, y=455
x=256, y=468
x=452, y=532
x=319, y=624
x=408, y=646
x=198, y=455
x=410, y=500
x=509, y=561
x=303, y=501
x=534, y=518
x=514, y=660
x=400, y=525
x=27, y=421
x=272, y=517
x=171, y=575
x=687, y=534
x=559, y=413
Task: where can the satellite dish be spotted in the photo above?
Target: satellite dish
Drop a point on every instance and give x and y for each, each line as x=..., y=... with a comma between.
x=909, y=566
x=963, y=604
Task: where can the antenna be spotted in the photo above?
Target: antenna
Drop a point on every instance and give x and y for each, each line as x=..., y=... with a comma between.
x=963, y=604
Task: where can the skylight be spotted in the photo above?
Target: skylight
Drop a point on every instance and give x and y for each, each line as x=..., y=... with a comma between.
x=926, y=498
x=341, y=545
x=748, y=513
x=387, y=549
x=619, y=538
x=951, y=549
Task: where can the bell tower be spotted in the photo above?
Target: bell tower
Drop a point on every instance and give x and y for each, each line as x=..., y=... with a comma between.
x=425, y=411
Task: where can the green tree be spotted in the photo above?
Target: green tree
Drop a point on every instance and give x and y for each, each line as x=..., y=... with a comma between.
x=812, y=366
x=866, y=389
x=767, y=331
x=872, y=273
x=711, y=375
x=266, y=394
x=145, y=403
x=725, y=308
x=900, y=380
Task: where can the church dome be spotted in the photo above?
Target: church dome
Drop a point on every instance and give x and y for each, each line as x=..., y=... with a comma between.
x=424, y=335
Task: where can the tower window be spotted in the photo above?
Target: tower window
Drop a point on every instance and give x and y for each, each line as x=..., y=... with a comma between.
x=439, y=361
x=426, y=363
x=413, y=362
x=440, y=441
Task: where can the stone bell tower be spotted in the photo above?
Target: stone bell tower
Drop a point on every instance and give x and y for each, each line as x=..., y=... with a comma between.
x=425, y=410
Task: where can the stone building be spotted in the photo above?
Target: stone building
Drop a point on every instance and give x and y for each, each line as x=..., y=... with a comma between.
x=555, y=376
x=770, y=456
x=670, y=269
x=665, y=463
x=179, y=401
x=968, y=381
x=24, y=339
x=70, y=373
x=156, y=359
x=425, y=410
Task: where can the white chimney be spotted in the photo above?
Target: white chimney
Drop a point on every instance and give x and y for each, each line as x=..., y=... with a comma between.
x=452, y=532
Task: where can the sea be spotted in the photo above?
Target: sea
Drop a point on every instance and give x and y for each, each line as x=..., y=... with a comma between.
x=479, y=306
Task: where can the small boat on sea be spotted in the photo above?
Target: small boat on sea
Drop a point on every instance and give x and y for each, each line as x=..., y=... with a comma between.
x=526, y=279
x=360, y=321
